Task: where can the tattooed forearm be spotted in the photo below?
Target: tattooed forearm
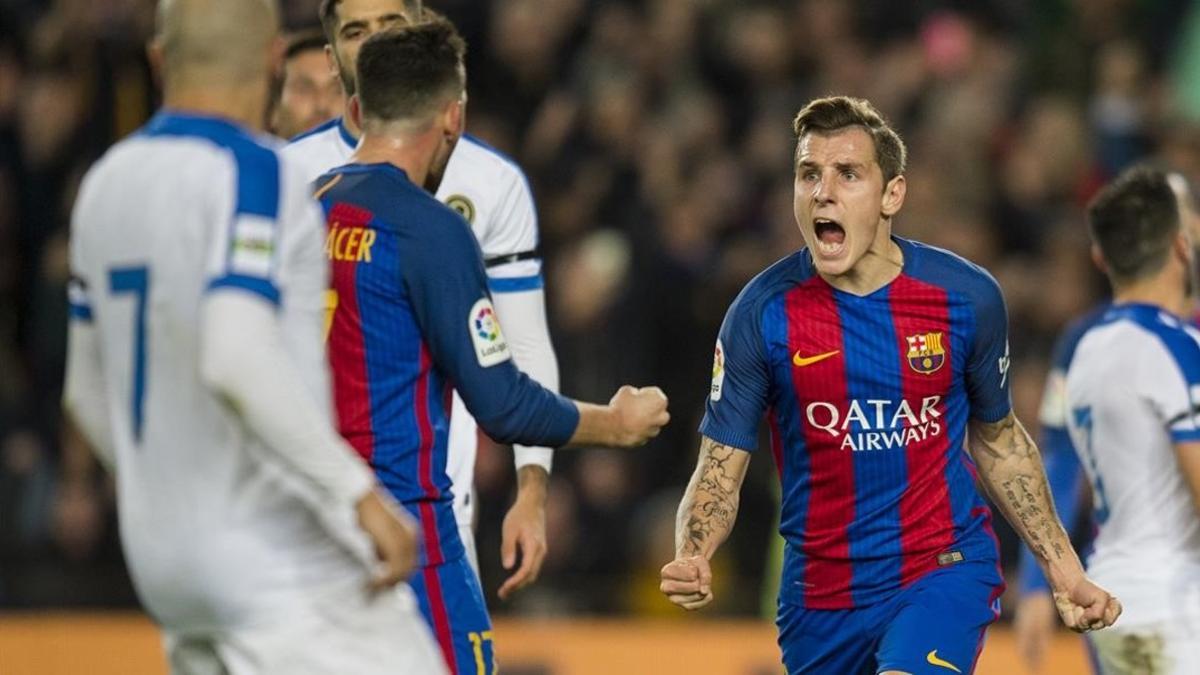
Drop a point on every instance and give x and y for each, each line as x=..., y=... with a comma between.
x=1010, y=468
x=710, y=504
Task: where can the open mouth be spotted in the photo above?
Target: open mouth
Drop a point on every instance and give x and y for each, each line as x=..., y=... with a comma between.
x=831, y=236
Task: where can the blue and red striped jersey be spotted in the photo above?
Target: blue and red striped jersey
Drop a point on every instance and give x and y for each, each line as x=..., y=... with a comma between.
x=410, y=319
x=867, y=399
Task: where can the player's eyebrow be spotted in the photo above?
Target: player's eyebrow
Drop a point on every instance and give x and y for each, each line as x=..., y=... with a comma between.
x=840, y=166
x=390, y=18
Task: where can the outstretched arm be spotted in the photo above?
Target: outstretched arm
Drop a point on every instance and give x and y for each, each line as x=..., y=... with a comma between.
x=1010, y=468
x=706, y=517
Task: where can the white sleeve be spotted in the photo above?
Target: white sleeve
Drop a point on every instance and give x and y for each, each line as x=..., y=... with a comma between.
x=83, y=393
x=515, y=279
x=1170, y=381
x=243, y=358
x=523, y=319
x=510, y=240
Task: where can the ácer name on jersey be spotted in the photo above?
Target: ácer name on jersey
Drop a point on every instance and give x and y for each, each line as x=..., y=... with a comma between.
x=349, y=243
x=877, y=424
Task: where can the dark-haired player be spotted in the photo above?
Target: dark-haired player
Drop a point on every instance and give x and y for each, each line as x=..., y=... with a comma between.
x=873, y=358
x=413, y=320
x=491, y=192
x=1133, y=409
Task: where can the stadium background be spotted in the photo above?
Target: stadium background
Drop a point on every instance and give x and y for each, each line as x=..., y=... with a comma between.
x=656, y=136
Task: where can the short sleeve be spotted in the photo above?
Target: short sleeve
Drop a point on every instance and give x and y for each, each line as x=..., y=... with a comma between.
x=737, y=397
x=245, y=250
x=510, y=242
x=987, y=367
x=1172, y=385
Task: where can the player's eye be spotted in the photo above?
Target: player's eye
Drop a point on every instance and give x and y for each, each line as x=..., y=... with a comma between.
x=849, y=174
x=352, y=33
x=809, y=175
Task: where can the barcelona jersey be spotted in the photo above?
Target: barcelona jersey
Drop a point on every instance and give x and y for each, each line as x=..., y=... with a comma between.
x=867, y=399
x=410, y=320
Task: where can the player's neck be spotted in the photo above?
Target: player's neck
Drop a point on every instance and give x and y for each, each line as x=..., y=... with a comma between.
x=348, y=122
x=242, y=104
x=878, y=267
x=411, y=153
x=1162, y=290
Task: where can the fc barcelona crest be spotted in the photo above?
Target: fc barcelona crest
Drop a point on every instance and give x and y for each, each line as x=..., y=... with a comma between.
x=925, y=352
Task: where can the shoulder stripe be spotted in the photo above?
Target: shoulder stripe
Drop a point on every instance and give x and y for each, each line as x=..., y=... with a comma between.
x=327, y=187
x=257, y=165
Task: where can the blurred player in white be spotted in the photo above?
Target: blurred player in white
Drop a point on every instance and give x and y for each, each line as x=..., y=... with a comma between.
x=196, y=369
x=491, y=192
x=1133, y=398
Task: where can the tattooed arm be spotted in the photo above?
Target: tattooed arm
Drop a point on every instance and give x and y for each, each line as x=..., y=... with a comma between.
x=1010, y=468
x=706, y=517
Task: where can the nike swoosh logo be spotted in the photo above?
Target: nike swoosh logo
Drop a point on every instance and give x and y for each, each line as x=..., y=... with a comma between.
x=933, y=659
x=802, y=361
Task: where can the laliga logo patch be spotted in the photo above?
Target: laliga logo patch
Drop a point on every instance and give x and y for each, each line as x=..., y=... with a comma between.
x=485, y=324
x=490, y=346
x=718, y=372
x=925, y=352
x=463, y=207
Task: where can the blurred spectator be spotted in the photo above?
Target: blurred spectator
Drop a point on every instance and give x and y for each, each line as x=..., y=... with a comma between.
x=657, y=137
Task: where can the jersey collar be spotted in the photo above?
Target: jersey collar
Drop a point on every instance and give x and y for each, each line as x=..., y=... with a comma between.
x=347, y=137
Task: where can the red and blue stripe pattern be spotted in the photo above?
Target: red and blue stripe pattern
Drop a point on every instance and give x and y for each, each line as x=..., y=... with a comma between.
x=392, y=404
x=876, y=482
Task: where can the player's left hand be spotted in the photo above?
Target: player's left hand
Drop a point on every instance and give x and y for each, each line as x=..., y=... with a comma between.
x=524, y=532
x=1086, y=607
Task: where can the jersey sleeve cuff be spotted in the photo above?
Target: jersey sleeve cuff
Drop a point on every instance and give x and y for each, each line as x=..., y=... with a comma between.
x=992, y=414
x=263, y=288
x=515, y=284
x=1185, y=435
x=524, y=456
x=741, y=441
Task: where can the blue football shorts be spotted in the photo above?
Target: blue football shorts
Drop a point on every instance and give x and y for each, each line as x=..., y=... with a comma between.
x=936, y=626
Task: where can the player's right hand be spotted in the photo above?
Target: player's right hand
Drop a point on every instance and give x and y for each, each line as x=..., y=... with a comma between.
x=687, y=582
x=640, y=413
x=394, y=534
x=1086, y=606
x=1034, y=626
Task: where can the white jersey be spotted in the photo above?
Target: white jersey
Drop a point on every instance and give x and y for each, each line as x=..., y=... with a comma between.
x=492, y=193
x=216, y=532
x=1133, y=390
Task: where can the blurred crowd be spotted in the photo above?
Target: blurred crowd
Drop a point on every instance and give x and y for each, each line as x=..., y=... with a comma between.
x=657, y=138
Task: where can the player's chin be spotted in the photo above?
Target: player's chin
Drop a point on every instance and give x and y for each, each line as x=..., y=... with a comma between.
x=835, y=263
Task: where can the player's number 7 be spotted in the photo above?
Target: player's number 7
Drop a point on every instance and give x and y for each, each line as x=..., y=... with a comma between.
x=135, y=280
x=331, y=304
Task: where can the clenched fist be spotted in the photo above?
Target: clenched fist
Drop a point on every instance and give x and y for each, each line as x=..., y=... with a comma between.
x=687, y=582
x=640, y=414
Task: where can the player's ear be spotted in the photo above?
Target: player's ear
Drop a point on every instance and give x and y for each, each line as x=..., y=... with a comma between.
x=1098, y=258
x=275, y=56
x=454, y=119
x=154, y=52
x=354, y=111
x=1183, y=247
x=893, y=196
x=331, y=59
